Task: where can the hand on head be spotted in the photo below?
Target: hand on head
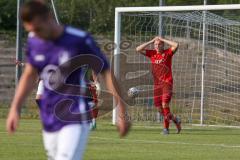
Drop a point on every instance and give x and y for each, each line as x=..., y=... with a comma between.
x=158, y=38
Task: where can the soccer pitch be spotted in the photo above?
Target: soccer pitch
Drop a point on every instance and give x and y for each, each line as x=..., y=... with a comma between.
x=143, y=142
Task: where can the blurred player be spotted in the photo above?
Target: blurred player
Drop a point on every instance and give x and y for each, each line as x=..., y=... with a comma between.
x=54, y=52
x=161, y=60
x=94, y=87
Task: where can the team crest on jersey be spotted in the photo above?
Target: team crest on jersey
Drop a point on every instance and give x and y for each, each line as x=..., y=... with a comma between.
x=63, y=57
x=39, y=58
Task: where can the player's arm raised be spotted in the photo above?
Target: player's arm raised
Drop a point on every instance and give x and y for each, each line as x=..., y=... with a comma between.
x=142, y=48
x=25, y=86
x=111, y=83
x=174, y=45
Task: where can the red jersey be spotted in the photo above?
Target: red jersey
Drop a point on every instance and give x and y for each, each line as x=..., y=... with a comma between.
x=161, y=65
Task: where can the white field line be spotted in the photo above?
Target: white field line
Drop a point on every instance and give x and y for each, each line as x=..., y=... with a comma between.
x=166, y=142
x=217, y=126
x=141, y=141
x=192, y=126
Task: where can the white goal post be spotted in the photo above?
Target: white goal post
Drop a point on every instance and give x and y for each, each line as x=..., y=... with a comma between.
x=232, y=95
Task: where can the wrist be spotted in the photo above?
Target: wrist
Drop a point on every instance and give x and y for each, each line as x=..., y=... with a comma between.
x=161, y=39
x=15, y=108
x=152, y=41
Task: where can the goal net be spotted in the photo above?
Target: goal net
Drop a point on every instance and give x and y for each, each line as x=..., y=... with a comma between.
x=206, y=74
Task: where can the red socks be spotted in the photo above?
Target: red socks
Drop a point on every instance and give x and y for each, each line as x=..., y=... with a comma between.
x=167, y=117
x=94, y=112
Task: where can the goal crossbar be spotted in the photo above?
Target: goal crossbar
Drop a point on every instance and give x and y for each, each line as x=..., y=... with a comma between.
x=178, y=8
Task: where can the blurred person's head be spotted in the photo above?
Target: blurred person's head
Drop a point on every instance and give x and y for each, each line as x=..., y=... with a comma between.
x=37, y=18
x=158, y=45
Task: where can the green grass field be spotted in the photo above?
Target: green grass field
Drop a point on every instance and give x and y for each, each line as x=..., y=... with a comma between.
x=143, y=143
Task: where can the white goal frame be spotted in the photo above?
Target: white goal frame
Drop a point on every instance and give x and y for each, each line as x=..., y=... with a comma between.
x=117, y=35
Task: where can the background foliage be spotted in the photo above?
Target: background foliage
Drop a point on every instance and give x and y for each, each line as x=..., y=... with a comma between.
x=94, y=15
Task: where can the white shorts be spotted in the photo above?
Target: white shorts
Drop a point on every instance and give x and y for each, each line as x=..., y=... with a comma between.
x=40, y=88
x=68, y=143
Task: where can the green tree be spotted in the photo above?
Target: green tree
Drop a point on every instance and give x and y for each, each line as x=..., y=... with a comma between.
x=8, y=14
x=98, y=16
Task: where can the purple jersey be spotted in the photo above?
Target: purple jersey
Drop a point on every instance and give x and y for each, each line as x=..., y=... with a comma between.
x=61, y=64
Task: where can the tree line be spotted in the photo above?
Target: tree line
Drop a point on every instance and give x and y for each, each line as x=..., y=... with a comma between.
x=96, y=16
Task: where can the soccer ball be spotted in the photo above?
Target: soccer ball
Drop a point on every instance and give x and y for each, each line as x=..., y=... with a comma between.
x=133, y=92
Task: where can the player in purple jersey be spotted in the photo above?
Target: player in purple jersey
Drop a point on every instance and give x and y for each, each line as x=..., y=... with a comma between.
x=57, y=54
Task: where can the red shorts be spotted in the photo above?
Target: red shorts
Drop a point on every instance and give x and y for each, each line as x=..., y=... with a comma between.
x=162, y=94
x=93, y=91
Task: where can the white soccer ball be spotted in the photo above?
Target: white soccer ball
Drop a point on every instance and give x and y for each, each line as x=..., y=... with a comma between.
x=133, y=92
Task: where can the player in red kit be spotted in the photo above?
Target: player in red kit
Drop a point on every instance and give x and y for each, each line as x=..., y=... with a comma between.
x=161, y=60
x=94, y=88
